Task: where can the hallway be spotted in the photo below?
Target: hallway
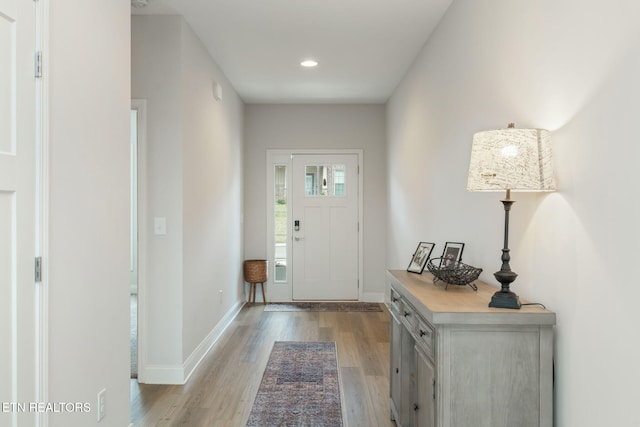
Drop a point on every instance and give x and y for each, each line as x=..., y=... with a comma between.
x=221, y=391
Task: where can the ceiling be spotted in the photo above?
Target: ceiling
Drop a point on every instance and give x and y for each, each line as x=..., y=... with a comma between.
x=364, y=47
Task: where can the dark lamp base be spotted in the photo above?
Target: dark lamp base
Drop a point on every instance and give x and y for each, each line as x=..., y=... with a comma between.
x=505, y=300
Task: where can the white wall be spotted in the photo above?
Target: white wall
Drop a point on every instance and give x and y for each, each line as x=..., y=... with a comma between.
x=571, y=67
x=194, y=180
x=88, y=283
x=318, y=126
x=212, y=194
x=156, y=76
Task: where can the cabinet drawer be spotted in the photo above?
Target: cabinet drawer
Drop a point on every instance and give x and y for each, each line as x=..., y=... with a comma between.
x=396, y=302
x=409, y=317
x=425, y=336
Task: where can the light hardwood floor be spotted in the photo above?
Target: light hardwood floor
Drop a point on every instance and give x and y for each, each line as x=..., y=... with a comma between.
x=221, y=391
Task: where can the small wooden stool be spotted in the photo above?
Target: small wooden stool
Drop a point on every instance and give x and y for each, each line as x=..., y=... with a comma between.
x=255, y=271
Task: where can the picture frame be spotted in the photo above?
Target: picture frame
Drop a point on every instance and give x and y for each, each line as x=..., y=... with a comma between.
x=452, y=253
x=420, y=257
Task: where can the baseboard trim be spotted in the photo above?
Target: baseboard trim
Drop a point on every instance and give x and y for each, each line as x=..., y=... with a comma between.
x=162, y=374
x=205, y=346
x=373, y=297
x=180, y=374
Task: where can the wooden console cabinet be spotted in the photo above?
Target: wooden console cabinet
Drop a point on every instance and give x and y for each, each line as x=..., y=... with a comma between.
x=455, y=362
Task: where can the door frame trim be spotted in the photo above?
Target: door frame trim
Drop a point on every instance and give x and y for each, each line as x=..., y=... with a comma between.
x=141, y=106
x=42, y=28
x=283, y=291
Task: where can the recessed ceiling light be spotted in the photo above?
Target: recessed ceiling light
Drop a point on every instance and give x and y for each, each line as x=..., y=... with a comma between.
x=309, y=63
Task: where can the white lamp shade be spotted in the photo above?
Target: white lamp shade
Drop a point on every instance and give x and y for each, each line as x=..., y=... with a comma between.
x=511, y=159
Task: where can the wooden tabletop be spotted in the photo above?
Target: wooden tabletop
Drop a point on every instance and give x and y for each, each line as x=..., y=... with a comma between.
x=461, y=304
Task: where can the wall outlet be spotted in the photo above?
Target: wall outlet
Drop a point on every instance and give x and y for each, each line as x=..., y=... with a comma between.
x=101, y=404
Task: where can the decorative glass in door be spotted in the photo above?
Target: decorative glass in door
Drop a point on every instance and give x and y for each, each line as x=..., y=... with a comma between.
x=325, y=180
x=281, y=218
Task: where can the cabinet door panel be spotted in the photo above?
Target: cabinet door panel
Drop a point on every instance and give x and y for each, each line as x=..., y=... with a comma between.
x=396, y=343
x=505, y=362
x=426, y=392
x=407, y=379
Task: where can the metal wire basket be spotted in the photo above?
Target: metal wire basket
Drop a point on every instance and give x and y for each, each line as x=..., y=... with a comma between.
x=454, y=273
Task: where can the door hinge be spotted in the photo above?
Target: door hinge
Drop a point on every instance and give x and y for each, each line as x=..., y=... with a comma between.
x=434, y=389
x=38, y=64
x=38, y=269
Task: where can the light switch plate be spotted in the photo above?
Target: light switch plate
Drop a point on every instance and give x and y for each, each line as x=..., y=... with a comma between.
x=159, y=226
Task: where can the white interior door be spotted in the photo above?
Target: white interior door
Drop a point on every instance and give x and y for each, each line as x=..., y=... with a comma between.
x=18, y=344
x=325, y=227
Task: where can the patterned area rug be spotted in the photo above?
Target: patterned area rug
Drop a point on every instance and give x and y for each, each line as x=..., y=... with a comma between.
x=323, y=306
x=300, y=387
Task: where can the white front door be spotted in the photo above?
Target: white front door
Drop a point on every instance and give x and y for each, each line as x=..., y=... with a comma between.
x=325, y=227
x=18, y=319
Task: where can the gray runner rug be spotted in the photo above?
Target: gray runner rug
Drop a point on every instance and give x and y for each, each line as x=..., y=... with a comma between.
x=323, y=306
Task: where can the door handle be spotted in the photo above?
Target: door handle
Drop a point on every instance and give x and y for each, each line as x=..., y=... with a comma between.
x=298, y=238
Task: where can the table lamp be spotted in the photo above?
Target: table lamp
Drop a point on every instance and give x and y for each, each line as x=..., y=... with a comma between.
x=510, y=160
